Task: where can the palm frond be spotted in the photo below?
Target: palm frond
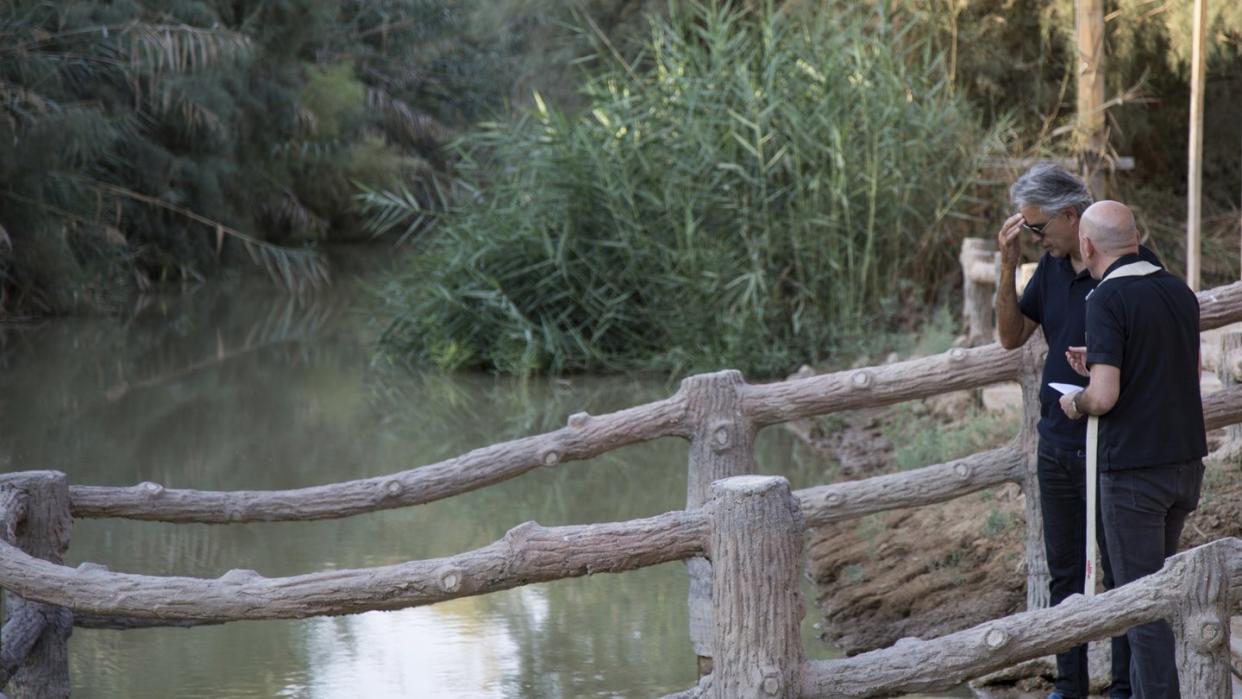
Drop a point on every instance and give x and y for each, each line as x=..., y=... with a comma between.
x=297, y=269
x=401, y=211
x=289, y=213
x=156, y=49
x=403, y=121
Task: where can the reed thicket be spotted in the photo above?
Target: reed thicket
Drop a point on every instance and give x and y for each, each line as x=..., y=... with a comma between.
x=755, y=187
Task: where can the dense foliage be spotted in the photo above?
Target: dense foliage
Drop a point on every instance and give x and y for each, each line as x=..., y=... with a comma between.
x=755, y=185
x=141, y=141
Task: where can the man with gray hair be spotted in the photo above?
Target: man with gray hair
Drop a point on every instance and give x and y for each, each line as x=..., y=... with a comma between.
x=1050, y=203
x=1143, y=360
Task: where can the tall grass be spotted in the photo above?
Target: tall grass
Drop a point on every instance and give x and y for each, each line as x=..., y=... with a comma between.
x=757, y=185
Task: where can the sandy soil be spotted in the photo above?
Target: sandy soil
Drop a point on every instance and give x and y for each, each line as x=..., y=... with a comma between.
x=929, y=571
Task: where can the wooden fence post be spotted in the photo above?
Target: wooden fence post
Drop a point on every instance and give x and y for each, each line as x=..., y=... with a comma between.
x=722, y=444
x=1227, y=364
x=979, y=278
x=1202, y=624
x=1034, y=353
x=756, y=550
x=41, y=628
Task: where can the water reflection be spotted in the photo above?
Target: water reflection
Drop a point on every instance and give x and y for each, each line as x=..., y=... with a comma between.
x=242, y=391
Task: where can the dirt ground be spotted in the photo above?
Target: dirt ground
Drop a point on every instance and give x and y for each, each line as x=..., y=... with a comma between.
x=929, y=571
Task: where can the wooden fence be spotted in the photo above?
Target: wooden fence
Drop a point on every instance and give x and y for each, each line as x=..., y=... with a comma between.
x=744, y=624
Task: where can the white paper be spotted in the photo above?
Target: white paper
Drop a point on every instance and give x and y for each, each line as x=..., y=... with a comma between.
x=1066, y=388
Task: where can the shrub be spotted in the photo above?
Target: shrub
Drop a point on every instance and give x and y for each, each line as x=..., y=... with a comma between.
x=757, y=185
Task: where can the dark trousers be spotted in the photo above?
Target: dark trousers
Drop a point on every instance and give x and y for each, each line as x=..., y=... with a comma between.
x=1063, y=500
x=1144, y=511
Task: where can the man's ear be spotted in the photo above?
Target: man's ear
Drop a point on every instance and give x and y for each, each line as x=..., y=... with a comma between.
x=1086, y=247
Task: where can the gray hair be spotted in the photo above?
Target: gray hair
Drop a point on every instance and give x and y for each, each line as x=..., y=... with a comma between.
x=1051, y=188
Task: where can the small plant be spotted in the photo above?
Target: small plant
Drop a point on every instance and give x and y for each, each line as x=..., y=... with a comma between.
x=854, y=573
x=996, y=523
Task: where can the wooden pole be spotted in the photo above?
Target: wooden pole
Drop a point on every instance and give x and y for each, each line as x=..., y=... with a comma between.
x=43, y=630
x=1092, y=131
x=756, y=549
x=1034, y=353
x=722, y=444
x=1194, y=174
x=1202, y=626
x=979, y=261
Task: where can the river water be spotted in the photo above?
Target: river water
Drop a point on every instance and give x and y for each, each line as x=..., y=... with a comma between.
x=251, y=389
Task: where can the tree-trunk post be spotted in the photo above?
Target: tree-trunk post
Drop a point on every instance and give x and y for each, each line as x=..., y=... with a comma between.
x=1037, y=576
x=756, y=550
x=1227, y=364
x=978, y=259
x=1202, y=625
x=722, y=444
x=43, y=533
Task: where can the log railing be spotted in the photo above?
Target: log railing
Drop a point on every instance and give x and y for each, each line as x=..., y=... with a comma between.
x=718, y=414
x=752, y=528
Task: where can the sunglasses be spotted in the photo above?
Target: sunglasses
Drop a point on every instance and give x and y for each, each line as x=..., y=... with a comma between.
x=1036, y=228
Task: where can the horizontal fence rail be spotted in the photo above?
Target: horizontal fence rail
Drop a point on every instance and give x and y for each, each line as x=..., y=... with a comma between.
x=1209, y=575
x=528, y=553
x=587, y=436
x=931, y=484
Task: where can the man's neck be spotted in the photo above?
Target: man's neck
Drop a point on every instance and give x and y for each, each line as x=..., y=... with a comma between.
x=1076, y=262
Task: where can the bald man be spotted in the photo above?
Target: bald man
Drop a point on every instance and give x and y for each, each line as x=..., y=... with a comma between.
x=1142, y=357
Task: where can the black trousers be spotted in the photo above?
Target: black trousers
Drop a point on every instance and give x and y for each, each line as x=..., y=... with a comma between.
x=1063, y=500
x=1144, y=511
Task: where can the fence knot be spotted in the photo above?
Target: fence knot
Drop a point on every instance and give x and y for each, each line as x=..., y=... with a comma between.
x=393, y=488
x=722, y=436
x=150, y=489
x=834, y=499
x=1209, y=636
x=240, y=576
x=579, y=420
x=87, y=568
x=772, y=685
x=450, y=578
x=995, y=638
x=551, y=458
x=957, y=354
x=861, y=379
x=962, y=470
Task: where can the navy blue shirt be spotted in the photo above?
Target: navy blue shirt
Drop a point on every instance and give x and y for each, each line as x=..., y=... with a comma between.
x=1056, y=298
x=1149, y=328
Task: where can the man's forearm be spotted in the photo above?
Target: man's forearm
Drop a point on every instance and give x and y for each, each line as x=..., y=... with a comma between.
x=1009, y=319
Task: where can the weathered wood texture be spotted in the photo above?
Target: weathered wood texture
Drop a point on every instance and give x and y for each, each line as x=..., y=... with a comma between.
x=1202, y=625
x=722, y=444
x=585, y=437
x=956, y=370
x=919, y=666
x=1220, y=306
x=979, y=273
x=1091, y=132
x=931, y=484
x=1228, y=363
x=756, y=551
x=1223, y=407
x=527, y=553
x=39, y=657
x=1034, y=354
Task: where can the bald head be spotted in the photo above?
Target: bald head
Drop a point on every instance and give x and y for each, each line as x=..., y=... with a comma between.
x=1109, y=225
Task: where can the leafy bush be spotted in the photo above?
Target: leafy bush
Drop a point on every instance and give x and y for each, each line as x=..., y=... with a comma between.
x=757, y=185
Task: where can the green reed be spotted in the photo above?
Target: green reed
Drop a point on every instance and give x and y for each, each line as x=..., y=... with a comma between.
x=755, y=186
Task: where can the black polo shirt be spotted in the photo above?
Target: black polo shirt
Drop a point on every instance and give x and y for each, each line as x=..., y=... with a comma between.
x=1056, y=298
x=1149, y=328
